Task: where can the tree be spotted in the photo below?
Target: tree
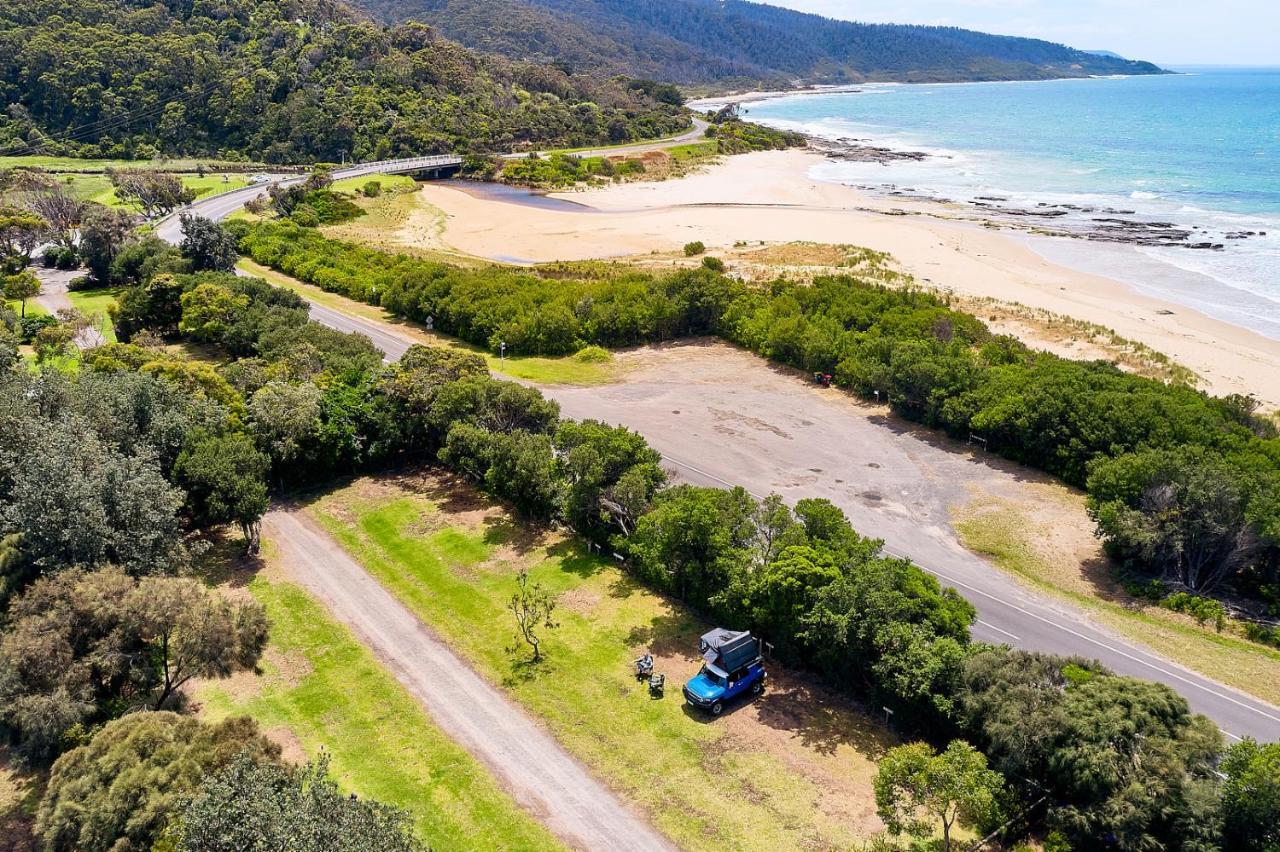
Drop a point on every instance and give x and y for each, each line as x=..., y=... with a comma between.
x=194, y=632
x=1120, y=758
x=260, y=805
x=533, y=607
x=1251, y=797
x=83, y=647
x=107, y=508
x=155, y=193
x=120, y=790
x=61, y=211
x=1182, y=513
x=102, y=236
x=207, y=245
x=20, y=232
x=917, y=789
x=225, y=480
x=283, y=418
x=209, y=310
x=20, y=287
x=154, y=306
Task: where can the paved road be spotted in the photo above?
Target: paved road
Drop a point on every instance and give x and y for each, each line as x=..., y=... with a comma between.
x=527, y=760
x=1006, y=612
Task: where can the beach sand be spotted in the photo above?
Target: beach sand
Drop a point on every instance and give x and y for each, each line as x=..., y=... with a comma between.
x=769, y=197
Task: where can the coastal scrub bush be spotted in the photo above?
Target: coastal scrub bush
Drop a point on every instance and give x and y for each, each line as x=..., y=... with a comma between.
x=593, y=355
x=714, y=264
x=1181, y=483
x=1201, y=609
x=372, y=189
x=694, y=248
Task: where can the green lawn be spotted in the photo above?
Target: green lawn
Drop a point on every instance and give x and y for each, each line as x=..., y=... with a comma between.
x=94, y=303
x=327, y=689
x=566, y=370
x=98, y=189
x=784, y=772
x=34, y=308
x=389, y=183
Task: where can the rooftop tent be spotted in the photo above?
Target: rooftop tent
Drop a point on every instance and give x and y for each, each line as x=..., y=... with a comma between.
x=728, y=649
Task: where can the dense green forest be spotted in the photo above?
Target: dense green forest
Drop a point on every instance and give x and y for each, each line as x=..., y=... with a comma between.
x=284, y=82
x=699, y=41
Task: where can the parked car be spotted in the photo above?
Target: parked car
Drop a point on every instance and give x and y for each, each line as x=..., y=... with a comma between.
x=732, y=666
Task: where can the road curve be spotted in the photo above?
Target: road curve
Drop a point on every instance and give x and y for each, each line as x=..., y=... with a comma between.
x=526, y=760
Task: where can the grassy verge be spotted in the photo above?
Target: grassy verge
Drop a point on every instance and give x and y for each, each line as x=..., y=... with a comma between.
x=567, y=370
x=74, y=164
x=1004, y=533
x=790, y=770
x=319, y=688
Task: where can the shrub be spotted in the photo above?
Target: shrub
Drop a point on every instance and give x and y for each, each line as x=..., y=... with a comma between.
x=372, y=189
x=694, y=248
x=1199, y=608
x=593, y=355
x=714, y=264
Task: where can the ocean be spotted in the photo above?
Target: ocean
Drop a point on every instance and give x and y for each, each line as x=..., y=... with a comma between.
x=1198, y=151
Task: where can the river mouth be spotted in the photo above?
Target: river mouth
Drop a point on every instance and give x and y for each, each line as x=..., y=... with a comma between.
x=520, y=195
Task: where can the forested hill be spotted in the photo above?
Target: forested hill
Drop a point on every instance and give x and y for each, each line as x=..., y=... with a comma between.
x=695, y=41
x=286, y=81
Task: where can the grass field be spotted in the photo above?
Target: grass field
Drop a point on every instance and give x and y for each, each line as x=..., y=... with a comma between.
x=34, y=308
x=790, y=770
x=567, y=370
x=1024, y=546
x=97, y=188
x=94, y=303
x=320, y=689
x=389, y=183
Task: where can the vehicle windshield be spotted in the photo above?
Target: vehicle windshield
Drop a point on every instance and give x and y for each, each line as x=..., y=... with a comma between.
x=712, y=676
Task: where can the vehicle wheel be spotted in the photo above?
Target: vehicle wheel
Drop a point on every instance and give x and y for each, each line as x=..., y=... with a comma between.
x=717, y=708
x=757, y=687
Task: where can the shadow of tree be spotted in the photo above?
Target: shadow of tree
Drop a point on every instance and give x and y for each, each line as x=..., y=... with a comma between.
x=821, y=719
x=575, y=560
x=227, y=563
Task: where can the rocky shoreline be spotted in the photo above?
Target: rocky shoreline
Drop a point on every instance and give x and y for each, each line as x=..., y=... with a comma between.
x=1096, y=224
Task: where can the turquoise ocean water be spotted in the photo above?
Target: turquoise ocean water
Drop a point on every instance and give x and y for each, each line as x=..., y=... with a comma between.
x=1199, y=150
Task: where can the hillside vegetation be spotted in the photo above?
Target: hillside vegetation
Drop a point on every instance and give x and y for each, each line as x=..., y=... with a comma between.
x=284, y=82
x=699, y=41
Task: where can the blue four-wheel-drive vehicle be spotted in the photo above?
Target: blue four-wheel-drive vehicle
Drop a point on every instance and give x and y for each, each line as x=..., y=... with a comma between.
x=732, y=665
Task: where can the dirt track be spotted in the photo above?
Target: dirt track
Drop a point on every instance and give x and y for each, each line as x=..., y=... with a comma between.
x=525, y=759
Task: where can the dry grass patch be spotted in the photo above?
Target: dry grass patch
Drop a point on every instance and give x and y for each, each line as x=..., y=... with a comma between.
x=1052, y=556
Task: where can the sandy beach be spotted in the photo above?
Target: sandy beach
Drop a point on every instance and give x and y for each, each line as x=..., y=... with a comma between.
x=769, y=197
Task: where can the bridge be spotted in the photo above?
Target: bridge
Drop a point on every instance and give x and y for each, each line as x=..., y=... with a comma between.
x=219, y=207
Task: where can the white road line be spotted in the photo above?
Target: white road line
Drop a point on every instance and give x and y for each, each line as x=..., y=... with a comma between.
x=1111, y=648
x=1202, y=687
x=990, y=626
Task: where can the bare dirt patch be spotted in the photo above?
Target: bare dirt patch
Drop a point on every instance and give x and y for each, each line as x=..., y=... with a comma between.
x=291, y=750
